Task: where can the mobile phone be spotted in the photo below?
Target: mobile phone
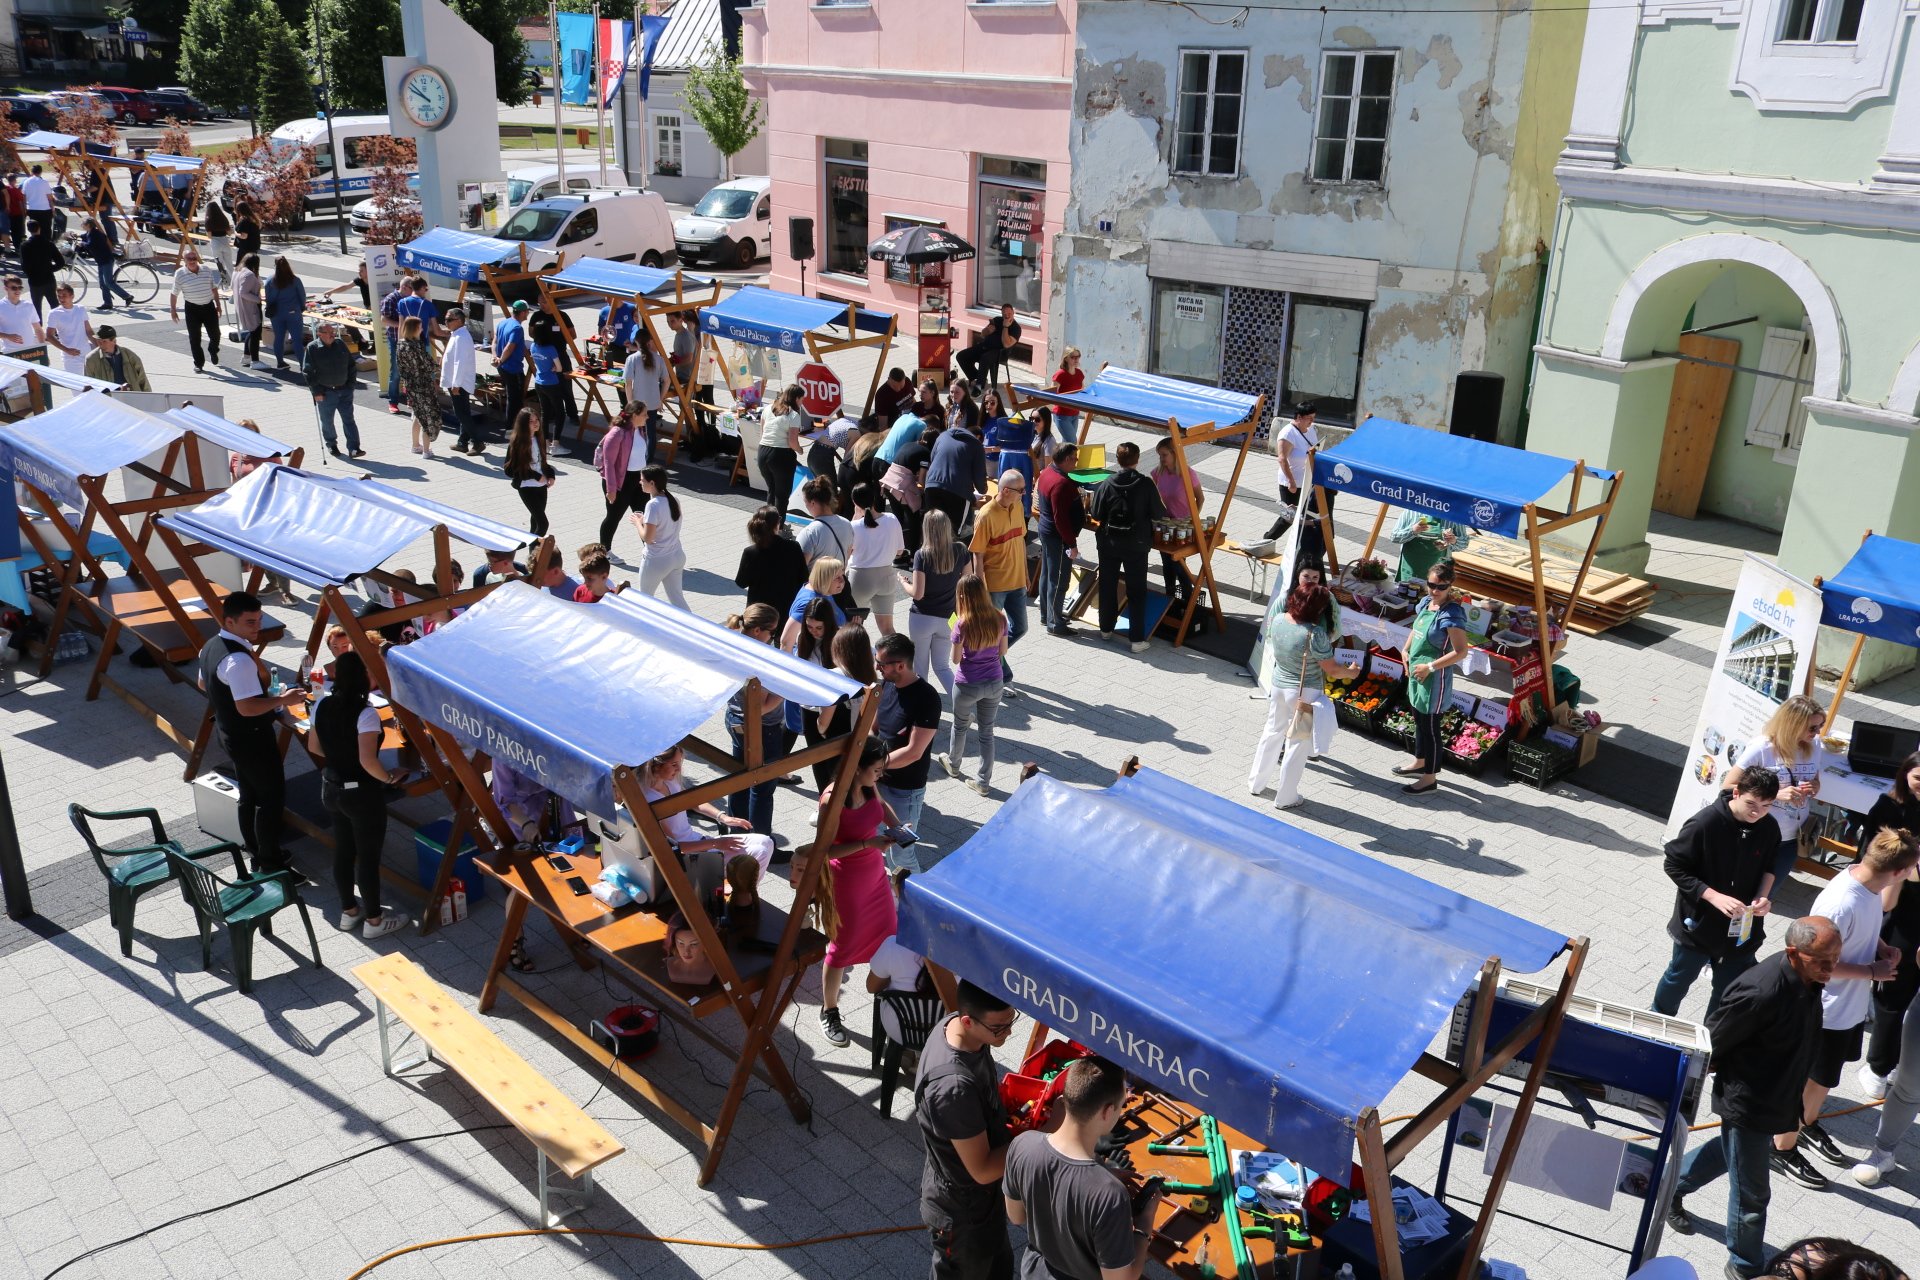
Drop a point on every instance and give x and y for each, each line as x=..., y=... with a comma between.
x=579, y=886
x=903, y=836
x=559, y=863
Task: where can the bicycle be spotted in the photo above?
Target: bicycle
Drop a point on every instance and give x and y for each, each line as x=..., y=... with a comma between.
x=134, y=273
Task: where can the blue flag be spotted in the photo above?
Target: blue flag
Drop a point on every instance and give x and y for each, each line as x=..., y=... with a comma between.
x=576, y=59
x=652, y=27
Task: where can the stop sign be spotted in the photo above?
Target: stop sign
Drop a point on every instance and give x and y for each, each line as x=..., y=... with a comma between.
x=819, y=390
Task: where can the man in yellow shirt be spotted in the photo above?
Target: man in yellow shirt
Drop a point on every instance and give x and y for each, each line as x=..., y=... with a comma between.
x=999, y=549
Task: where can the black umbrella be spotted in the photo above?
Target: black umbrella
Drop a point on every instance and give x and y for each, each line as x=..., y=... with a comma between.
x=918, y=245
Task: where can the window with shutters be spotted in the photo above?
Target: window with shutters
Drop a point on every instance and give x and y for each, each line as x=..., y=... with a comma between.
x=1777, y=418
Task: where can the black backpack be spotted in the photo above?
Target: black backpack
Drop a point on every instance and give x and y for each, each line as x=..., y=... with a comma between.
x=1115, y=511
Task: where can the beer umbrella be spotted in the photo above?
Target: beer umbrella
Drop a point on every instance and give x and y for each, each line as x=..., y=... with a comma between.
x=918, y=245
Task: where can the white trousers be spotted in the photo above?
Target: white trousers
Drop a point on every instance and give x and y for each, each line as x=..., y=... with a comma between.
x=1273, y=742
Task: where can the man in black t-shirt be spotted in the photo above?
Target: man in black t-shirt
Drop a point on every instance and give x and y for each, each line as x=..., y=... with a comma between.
x=908, y=720
x=956, y=1103
x=992, y=349
x=1081, y=1223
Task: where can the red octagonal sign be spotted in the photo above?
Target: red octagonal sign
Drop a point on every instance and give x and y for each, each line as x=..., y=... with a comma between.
x=820, y=392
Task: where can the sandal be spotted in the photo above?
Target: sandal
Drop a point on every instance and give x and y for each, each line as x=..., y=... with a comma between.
x=517, y=958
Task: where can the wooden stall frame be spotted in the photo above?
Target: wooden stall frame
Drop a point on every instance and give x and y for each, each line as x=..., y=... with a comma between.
x=1204, y=544
x=818, y=349
x=497, y=280
x=103, y=167
x=758, y=1016
x=647, y=309
x=1540, y=521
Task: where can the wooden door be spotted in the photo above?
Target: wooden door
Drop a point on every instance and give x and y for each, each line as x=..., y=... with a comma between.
x=1693, y=422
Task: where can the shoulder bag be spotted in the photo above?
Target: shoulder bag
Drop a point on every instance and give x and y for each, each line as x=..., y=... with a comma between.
x=1300, y=728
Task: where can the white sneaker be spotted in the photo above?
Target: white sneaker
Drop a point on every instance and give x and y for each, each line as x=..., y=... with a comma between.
x=1106, y=635
x=1140, y=646
x=389, y=922
x=1872, y=1083
x=980, y=785
x=348, y=920
x=1877, y=1165
x=1294, y=803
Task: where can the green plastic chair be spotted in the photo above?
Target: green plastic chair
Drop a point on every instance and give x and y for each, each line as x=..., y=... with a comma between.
x=139, y=869
x=243, y=905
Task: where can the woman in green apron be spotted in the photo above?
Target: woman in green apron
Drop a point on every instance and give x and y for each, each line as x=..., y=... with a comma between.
x=1424, y=542
x=1437, y=644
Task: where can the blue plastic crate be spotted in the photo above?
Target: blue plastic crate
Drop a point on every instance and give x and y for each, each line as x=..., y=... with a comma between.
x=430, y=842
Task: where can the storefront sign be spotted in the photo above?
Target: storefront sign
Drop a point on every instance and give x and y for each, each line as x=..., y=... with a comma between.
x=1764, y=656
x=1190, y=308
x=1016, y=221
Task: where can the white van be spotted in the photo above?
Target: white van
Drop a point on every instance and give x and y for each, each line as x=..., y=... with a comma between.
x=348, y=166
x=627, y=225
x=531, y=182
x=732, y=224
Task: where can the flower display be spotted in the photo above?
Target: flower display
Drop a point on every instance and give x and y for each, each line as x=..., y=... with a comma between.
x=1452, y=721
x=1473, y=740
x=1399, y=722
x=1370, y=570
x=1368, y=696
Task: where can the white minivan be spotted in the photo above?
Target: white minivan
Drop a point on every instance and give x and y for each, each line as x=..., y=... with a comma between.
x=732, y=225
x=627, y=225
x=348, y=166
x=530, y=182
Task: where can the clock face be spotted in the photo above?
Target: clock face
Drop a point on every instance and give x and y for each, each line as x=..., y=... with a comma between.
x=426, y=97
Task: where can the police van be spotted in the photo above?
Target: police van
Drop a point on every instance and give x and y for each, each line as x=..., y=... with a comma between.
x=347, y=166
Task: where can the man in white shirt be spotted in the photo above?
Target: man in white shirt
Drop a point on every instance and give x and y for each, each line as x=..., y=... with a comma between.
x=69, y=331
x=39, y=194
x=19, y=323
x=199, y=288
x=456, y=379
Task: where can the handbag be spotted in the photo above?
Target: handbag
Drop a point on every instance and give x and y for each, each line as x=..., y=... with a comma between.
x=1300, y=728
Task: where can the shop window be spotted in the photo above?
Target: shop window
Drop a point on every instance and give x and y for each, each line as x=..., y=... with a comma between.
x=1820, y=21
x=1013, y=196
x=1356, y=102
x=846, y=191
x=668, y=154
x=1206, y=138
x=1324, y=338
x=1188, y=320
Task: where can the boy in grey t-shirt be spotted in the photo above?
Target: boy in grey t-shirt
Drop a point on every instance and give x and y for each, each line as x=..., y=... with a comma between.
x=1080, y=1223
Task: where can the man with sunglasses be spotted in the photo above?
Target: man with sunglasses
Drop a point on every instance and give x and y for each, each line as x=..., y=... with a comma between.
x=956, y=1102
x=19, y=323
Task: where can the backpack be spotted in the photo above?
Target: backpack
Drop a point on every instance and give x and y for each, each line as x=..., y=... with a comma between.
x=1116, y=512
x=390, y=307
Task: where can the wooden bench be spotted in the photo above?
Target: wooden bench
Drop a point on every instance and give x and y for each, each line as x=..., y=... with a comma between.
x=518, y=131
x=562, y=1134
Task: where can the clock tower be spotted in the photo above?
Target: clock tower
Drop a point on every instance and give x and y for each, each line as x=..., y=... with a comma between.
x=442, y=94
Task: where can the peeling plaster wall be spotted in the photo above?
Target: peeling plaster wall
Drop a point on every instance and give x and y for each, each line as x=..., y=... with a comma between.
x=1455, y=228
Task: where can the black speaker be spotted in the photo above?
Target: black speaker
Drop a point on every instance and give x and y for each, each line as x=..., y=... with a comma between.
x=800, y=239
x=1476, y=405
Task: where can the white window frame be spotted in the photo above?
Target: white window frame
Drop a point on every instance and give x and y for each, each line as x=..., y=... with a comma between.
x=1777, y=415
x=1213, y=57
x=659, y=122
x=1826, y=23
x=1808, y=75
x=1360, y=57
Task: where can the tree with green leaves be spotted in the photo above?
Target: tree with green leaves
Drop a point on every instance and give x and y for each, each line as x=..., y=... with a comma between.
x=720, y=102
x=498, y=23
x=216, y=39
x=282, y=89
x=356, y=34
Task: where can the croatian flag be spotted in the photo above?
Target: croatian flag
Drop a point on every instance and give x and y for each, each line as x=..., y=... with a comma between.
x=616, y=50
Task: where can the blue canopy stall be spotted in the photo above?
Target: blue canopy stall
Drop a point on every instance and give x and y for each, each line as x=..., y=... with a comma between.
x=653, y=293
x=578, y=698
x=1485, y=486
x=325, y=531
x=468, y=258
x=1876, y=596
x=63, y=458
x=1270, y=977
x=1190, y=414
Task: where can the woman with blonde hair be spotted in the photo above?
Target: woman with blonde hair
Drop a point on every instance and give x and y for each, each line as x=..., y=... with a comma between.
x=937, y=567
x=827, y=578
x=979, y=639
x=421, y=374
x=660, y=778
x=1789, y=744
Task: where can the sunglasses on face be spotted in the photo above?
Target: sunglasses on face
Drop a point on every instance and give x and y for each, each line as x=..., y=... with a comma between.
x=1437, y=586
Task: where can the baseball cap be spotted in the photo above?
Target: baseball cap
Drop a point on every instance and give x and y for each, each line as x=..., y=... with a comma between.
x=520, y=305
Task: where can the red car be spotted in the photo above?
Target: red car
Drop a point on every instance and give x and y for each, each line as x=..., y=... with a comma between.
x=127, y=105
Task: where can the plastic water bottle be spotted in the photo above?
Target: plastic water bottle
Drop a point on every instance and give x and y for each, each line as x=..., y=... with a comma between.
x=306, y=670
x=277, y=686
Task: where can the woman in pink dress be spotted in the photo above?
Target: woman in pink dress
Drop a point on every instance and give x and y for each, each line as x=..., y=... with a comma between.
x=854, y=898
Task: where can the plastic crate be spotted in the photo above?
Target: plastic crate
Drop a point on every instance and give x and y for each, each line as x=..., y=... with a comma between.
x=72, y=646
x=1473, y=764
x=1539, y=762
x=430, y=842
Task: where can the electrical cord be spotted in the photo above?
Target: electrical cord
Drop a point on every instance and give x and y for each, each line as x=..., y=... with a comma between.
x=636, y=1235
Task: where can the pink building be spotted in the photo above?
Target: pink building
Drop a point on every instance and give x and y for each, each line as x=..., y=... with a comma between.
x=890, y=112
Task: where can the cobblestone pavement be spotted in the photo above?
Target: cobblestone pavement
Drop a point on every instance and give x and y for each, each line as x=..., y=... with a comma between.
x=142, y=1092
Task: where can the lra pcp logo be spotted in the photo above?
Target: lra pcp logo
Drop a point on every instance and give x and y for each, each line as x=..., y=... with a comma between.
x=1485, y=514
x=1342, y=474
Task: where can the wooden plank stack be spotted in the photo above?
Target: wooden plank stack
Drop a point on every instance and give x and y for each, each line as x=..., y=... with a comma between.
x=1502, y=569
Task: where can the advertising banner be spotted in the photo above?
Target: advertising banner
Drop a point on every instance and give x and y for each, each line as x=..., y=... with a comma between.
x=1764, y=656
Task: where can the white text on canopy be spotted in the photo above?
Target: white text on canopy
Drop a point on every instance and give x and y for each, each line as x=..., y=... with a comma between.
x=1103, y=1035
x=520, y=756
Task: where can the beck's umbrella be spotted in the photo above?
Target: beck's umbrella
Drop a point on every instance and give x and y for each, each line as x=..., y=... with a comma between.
x=918, y=245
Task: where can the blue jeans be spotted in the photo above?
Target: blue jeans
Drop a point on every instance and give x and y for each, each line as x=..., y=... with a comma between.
x=755, y=804
x=108, y=287
x=1055, y=573
x=339, y=400
x=286, y=335
x=906, y=813
x=1742, y=1154
x=1014, y=604
x=1686, y=965
x=463, y=418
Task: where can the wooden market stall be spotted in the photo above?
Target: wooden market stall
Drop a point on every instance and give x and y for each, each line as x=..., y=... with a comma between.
x=1484, y=486
x=1191, y=415
x=64, y=460
x=324, y=531
x=502, y=267
x=765, y=318
x=637, y=677
x=655, y=294
x=1244, y=1001
x=161, y=174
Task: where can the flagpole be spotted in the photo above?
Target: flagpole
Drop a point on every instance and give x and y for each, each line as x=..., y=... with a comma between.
x=559, y=140
x=646, y=126
x=599, y=95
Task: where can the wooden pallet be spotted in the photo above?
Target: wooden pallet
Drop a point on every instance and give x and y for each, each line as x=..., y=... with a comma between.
x=1503, y=569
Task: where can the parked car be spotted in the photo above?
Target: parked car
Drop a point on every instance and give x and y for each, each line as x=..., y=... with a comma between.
x=732, y=224
x=30, y=111
x=130, y=106
x=179, y=105
x=627, y=225
x=533, y=182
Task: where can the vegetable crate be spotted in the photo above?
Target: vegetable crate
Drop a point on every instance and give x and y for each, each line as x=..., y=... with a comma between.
x=1539, y=762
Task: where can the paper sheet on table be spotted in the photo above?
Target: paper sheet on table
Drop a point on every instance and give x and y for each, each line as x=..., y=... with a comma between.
x=1421, y=1218
x=1567, y=1160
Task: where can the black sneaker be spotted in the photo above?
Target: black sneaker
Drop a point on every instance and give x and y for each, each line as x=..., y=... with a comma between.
x=1794, y=1165
x=1813, y=1138
x=1679, y=1221
x=830, y=1026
